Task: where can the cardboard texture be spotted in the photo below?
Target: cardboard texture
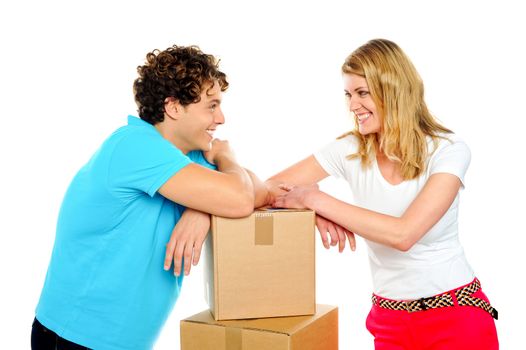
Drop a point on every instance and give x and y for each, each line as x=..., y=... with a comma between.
x=317, y=332
x=261, y=266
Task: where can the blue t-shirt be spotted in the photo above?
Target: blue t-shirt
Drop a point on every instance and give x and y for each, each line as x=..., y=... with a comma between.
x=106, y=287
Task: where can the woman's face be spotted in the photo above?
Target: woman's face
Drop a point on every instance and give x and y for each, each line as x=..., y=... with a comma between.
x=361, y=104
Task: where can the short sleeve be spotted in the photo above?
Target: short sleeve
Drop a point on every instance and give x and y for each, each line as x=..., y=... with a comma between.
x=199, y=158
x=144, y=161
x=453, y=158
x=332, y=157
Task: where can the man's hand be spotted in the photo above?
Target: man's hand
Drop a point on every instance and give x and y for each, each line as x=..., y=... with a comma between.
x=187, y=240
x=218, y=148
x=274, y=189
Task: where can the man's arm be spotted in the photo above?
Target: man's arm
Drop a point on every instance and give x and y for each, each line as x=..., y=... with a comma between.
x=190, y=231
x=262, y=196
x=228, y=192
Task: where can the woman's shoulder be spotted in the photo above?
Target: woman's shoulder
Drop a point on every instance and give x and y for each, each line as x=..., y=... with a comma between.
x=446, y=145
x=339, y=148
x=349, y=140
x=442, y=140
x=343, y=146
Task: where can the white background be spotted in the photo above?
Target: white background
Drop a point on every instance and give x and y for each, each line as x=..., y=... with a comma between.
x=66, y=83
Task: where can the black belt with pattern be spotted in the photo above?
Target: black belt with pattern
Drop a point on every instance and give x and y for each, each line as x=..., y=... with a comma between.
x=463, y=295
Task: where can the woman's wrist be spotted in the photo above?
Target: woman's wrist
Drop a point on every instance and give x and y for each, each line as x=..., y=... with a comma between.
x=312, y=199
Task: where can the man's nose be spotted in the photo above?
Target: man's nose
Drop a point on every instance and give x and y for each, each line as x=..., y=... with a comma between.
x=219, y=117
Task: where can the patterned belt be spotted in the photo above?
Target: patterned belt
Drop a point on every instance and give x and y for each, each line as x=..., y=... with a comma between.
x=463, y=296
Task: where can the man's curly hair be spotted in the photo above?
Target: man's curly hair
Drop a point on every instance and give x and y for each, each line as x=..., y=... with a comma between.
x=179, y=72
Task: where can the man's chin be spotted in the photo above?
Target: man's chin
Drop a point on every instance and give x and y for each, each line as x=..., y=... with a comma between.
x=203, y=148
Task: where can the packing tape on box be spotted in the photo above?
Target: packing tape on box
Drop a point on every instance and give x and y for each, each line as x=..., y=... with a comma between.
x=233, y=339
x=264, y=234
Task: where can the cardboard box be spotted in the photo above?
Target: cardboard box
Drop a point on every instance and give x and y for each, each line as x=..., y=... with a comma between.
x=261, y=266
x=317, y=332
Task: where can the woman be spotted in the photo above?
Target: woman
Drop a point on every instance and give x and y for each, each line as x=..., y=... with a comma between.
x=405, y=171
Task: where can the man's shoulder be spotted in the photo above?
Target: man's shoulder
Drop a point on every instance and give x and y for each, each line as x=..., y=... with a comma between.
x=198, y=157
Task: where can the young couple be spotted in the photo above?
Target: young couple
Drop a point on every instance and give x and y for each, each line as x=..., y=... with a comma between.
x=142, y=202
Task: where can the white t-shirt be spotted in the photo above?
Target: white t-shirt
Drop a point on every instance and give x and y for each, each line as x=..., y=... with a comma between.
x=436, y=263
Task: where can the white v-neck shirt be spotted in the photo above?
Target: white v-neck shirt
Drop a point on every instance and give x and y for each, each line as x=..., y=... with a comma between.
x=436, y=263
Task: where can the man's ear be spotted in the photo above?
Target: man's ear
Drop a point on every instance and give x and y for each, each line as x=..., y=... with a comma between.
x=172, y=108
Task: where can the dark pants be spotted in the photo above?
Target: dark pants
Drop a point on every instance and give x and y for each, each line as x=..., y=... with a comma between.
x=45, y=339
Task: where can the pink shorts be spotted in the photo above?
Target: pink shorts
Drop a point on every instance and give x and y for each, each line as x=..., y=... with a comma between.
x=446, y=328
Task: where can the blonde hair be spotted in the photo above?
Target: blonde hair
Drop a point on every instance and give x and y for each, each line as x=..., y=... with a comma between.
x=398, y=93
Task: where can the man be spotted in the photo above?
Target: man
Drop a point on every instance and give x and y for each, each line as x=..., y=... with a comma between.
x=106, y=287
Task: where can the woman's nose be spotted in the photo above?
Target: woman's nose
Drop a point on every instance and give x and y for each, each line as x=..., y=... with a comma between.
x=354, y=103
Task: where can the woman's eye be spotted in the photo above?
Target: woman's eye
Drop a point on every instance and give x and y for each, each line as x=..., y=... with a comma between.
x=348, y=95
x=363, y=93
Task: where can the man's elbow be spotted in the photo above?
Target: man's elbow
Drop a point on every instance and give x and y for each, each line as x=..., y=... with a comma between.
x=245, y=207
x=240, y=207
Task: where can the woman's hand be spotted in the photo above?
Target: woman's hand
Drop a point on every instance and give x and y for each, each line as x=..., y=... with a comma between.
x=295, y=197
x=274, y=189
x=187, y=240
x=336, y=232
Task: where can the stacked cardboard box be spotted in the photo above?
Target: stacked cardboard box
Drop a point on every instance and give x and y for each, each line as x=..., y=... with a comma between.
x=260, y=272
x=317, y=332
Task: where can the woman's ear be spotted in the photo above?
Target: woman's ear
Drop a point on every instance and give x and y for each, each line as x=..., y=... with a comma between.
x=172, y=108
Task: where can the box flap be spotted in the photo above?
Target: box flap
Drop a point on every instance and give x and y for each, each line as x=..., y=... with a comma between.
x=284, y=325
x=270, y=209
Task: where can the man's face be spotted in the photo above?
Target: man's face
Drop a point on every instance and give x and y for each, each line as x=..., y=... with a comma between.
x=197, y=122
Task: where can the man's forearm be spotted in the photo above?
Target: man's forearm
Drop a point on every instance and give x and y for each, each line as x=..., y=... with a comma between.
x=261, y=193
x=240, y=182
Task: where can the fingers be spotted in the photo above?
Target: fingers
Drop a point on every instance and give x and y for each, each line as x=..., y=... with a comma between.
x=337, y=233
x=184, y=255
x=178, y=258
x=278, y=202
x=188, y=250
x=170, y=247
x=321, y=224
x=334, y=234
x=197, y=252
x=352, y=240
x=285, y=187
x=341, y=238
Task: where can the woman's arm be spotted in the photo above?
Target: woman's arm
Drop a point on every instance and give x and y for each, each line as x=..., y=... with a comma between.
x=398, y=232
x=307, y=172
